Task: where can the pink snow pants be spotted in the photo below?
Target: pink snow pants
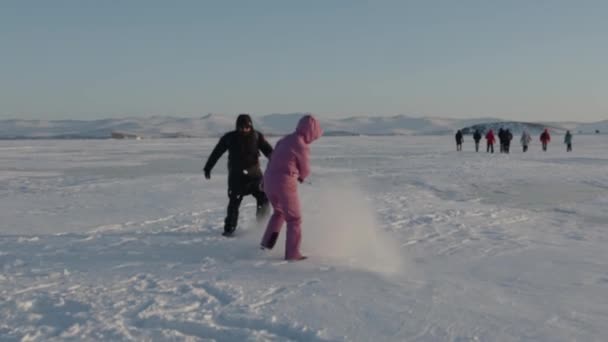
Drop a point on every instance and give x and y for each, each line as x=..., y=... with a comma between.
x=282, y=193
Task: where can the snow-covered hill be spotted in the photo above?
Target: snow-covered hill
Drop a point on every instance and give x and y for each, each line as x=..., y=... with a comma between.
x=153, y=127
x=213, y=125
x=601, y=126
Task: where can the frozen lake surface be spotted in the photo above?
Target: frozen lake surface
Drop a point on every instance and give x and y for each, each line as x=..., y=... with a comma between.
x=408, y=240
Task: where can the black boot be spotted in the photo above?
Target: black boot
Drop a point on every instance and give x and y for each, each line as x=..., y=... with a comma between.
x=262, y=207
x=232, y=213
x=228, y=231
x=262, y=211
x=271, y=242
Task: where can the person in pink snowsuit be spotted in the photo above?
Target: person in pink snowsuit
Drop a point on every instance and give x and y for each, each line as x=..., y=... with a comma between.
x=289, y=165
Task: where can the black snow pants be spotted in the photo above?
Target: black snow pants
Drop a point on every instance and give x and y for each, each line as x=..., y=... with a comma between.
x=239, y=186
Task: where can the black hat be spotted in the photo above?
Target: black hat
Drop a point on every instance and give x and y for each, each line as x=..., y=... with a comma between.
x=243, y=120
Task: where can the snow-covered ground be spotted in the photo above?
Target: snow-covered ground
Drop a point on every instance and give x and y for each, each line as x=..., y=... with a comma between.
x=408, y=241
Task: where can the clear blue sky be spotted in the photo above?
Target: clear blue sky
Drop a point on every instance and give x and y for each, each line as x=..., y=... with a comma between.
x=515, y=59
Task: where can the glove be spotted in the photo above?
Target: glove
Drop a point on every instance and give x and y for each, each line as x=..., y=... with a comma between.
x=300, y=180
x=207, y=173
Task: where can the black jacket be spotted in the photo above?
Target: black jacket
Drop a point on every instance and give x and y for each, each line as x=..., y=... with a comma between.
x=243, y=153
x=458, y=137
x=477, y=136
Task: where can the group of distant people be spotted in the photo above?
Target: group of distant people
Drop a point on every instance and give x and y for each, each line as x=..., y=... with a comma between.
x=505, y=136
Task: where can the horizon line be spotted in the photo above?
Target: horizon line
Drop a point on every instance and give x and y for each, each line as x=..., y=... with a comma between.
x=346, y=116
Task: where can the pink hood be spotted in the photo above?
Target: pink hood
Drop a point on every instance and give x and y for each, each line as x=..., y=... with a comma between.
x=309, y=129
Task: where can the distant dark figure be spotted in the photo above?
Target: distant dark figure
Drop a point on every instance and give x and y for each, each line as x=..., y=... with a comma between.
x=545, y=138
x=490, y=141
x=244, y=174
x=458, y=140
x=501, y=139
x=507, y=143
x=525, y=140
x=568, y=141
x=477, y=138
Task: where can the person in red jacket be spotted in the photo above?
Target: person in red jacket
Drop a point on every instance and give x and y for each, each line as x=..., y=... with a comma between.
x=490, y=140
x=545, y=137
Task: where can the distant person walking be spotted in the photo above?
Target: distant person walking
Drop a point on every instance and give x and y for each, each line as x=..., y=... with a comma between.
x=490, y=141
x=568, y=141
x=477, y=138
x=501, y=139
x=545, y=138
x=244, y=174
x=507, y=143
x=525, y=140
x=458, y=140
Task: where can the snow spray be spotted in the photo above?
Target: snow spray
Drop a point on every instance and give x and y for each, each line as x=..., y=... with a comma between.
x=339, y=223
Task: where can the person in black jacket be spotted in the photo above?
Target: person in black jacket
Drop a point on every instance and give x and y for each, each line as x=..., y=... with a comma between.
x=508, y=136
x=244, y=174
x=459, y=139
x=501, y=139
x=477, y=138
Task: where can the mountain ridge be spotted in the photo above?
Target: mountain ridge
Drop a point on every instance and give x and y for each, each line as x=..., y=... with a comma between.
x=213, y=125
